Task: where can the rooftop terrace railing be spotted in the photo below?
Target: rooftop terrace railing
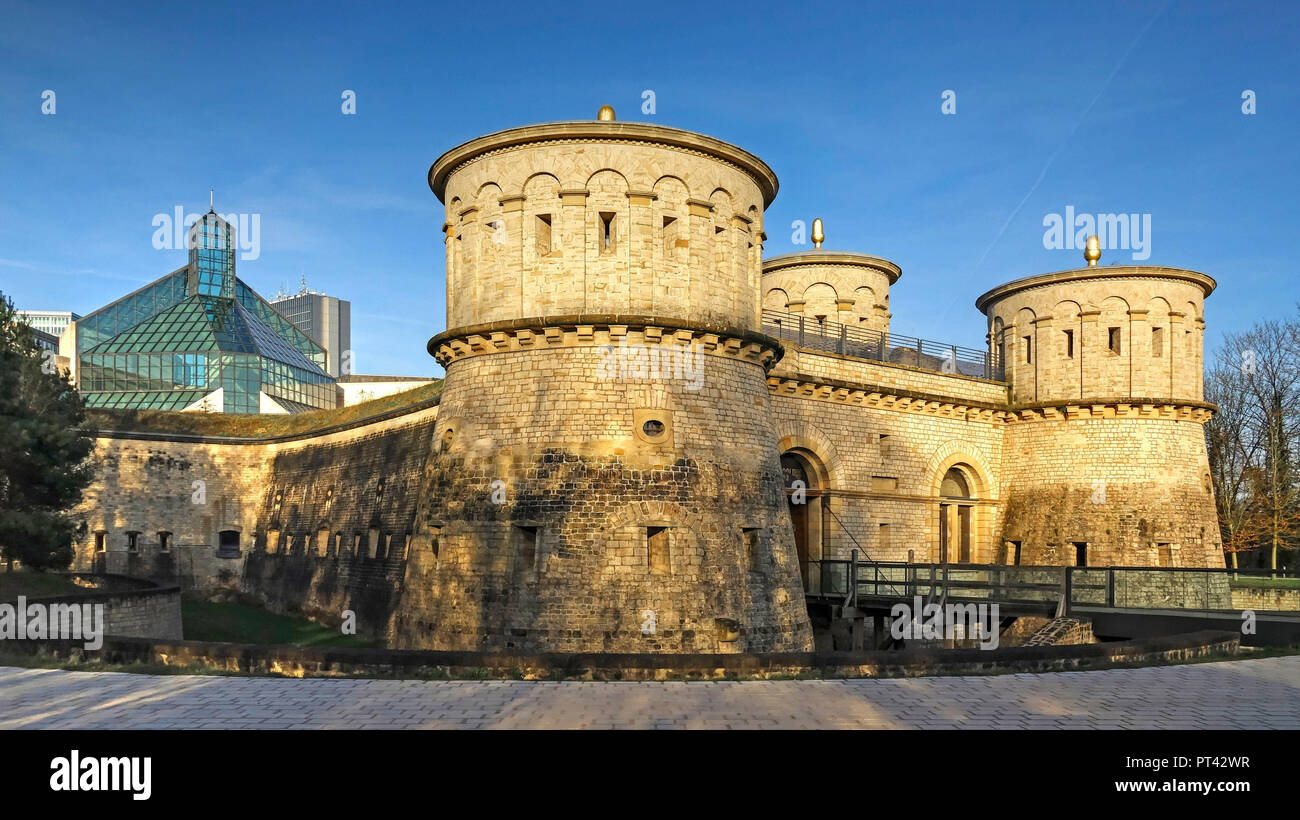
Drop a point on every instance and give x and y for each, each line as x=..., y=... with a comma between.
x=889, y=348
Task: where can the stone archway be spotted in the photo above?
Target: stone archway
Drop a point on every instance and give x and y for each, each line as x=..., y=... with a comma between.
x=804, y=478
x=956, y=514
x=964, y=493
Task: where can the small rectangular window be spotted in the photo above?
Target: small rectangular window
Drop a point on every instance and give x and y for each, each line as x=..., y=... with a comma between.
x=133, y=542
x=526, y=542
x=1069, y=344
x=1165, y=555
x=101, y=542
x=1029, y=349
x=1113, y=340
x=164, y=542
x=542, y=226
x=885, y=484
x=657, y=549
x=884, y=445
x=1080, y=554
x=1015, y=553
x=882, y=541
x=1157, y=341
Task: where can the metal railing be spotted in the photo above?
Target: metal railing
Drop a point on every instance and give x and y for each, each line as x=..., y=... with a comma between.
x=890, y=348
x=963, y=582
x=1081, y=588
x=1183, y=588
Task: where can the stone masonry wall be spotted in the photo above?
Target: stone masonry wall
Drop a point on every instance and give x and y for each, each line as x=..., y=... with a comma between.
x=146, y=612
x=322, y=521
x=526, y=229
x=1134, y=490
x=550, y=521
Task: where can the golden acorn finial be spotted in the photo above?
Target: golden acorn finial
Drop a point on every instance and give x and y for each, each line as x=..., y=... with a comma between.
x=819, y=235
x=1092, y=251
x=606, y=113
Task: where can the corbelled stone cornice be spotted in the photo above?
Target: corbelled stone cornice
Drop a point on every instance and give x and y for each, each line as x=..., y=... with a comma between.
x=553, y=332
x=883, y=397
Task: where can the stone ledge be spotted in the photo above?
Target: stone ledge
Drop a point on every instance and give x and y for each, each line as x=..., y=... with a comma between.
x=886, y=397
x=384, y=663
x=195, y=438
x=580, y=131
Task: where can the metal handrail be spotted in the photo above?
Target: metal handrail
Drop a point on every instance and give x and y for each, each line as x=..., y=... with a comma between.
x=889, y=348
x=853, y=574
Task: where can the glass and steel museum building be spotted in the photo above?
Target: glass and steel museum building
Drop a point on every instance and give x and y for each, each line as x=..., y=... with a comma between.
x=199, y=338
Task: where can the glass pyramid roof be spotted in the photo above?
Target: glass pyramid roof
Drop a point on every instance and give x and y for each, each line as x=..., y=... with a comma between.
x=206, y=323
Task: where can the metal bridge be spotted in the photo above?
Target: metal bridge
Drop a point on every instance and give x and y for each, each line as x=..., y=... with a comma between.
x=1121, y=602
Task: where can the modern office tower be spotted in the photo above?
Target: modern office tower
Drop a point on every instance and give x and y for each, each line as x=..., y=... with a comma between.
x=53, y=322
x=200, y=339
x=326, y=320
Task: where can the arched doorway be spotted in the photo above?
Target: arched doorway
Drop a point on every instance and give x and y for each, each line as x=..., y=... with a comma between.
x=803, y=489
x=956, y=509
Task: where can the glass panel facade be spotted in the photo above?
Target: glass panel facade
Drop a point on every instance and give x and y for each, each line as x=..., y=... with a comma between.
x=130, y=310
x=165, y=348
x=282, y=327
x=211, y=242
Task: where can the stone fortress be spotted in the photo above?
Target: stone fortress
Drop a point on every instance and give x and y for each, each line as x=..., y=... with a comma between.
x=649, y=437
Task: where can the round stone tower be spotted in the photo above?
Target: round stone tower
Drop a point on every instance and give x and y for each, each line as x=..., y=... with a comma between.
x=605, y=474
x=1104, y=452
x=831, y=286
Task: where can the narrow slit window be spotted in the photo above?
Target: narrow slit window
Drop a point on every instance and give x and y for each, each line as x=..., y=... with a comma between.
x=1080, y=554
x=1029, y=349
x=542, y=227
x=882, y=541
x=606, y=231
x=1157, y=341
x=1113, y=340
x=1069, y=344
x=670, y=233
x=657, y=549
x=753, y=548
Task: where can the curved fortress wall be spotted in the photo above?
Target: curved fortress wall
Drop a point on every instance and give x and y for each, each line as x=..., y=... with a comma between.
x=1104, y=447
x=605, y=474
x=317, y=523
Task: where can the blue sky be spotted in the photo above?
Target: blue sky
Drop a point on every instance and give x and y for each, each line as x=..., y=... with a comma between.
x=1130, y=107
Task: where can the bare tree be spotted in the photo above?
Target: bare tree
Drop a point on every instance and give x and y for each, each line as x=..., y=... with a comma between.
x=1256, y=437
x=1234, y=445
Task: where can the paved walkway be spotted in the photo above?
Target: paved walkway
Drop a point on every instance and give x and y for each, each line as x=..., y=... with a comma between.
x=1248, y=694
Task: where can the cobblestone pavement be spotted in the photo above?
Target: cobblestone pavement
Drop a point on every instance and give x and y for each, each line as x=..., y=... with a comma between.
x=1248, y=694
